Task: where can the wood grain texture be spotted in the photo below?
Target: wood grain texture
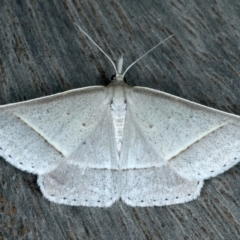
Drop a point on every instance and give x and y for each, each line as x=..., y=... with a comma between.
x=42, y=52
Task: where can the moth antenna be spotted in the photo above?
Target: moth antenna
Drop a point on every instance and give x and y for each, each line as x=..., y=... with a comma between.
x=97, y=47
x=146, y=54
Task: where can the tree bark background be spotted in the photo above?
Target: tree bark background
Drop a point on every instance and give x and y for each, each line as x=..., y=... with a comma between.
x=42, y=53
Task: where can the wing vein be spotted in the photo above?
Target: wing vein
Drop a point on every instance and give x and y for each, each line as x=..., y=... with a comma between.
x=34, y=129
x=195, y=141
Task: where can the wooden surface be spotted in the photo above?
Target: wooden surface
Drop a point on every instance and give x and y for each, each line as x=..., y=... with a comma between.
x=42, y=52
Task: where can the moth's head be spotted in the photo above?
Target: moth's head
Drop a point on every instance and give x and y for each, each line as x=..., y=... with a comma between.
x=118, y=78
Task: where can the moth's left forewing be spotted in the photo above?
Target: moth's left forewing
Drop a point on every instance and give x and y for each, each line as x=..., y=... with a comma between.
x=37, y=135
x=68, y=140
x=90, y=176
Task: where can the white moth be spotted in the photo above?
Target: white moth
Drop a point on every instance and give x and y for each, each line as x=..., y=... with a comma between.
x=96, y=145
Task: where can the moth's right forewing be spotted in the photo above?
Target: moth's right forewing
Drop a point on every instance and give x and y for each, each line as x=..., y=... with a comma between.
x=198, y=142
x=166, y=135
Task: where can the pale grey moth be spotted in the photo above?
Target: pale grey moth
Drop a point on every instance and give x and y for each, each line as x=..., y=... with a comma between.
x=96, y=145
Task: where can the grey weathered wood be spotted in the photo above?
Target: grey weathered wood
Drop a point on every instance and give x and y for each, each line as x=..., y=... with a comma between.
x=42, y=52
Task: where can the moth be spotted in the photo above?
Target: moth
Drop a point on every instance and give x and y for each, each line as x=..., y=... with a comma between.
x=96, y=145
